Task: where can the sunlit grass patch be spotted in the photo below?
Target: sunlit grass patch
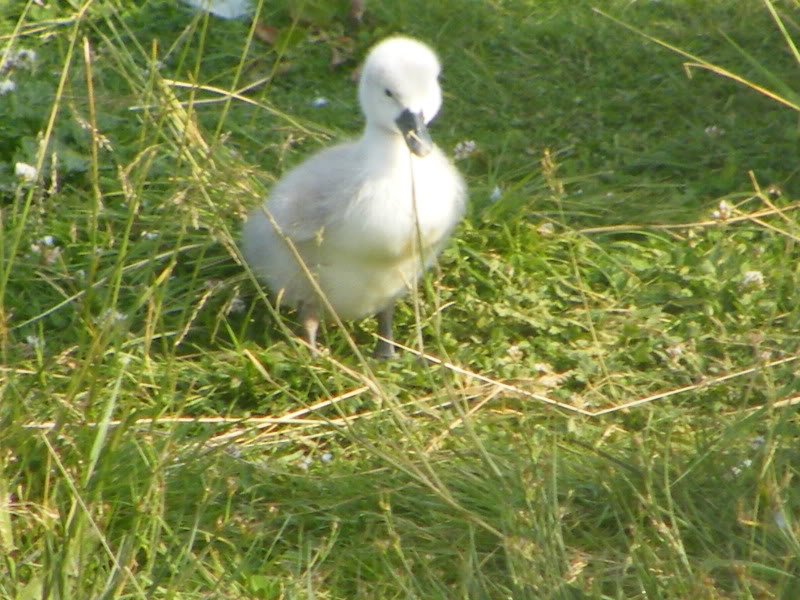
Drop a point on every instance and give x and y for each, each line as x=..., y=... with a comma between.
x=608, y=409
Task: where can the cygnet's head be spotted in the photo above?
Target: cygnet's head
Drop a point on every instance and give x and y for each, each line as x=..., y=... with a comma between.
x=399, y=90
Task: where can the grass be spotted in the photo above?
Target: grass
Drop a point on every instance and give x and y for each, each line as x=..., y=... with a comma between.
x=611, y=412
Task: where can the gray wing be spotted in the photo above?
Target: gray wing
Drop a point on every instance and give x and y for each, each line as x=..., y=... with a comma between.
x=315, y=195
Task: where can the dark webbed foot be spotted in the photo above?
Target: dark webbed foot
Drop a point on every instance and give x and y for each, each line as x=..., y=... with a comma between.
x=384, y=349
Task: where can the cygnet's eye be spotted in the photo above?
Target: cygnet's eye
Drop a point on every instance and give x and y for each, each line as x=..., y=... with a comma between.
x=388, y=93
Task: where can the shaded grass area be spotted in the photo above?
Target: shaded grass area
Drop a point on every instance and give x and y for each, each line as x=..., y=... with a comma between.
x=134, y=347
x=544, y=516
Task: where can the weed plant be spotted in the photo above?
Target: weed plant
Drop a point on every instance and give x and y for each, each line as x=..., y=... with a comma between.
x=608, y=407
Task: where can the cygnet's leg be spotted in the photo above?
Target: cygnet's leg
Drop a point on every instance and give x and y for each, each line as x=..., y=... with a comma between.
x=385, y=349
x=309, y=317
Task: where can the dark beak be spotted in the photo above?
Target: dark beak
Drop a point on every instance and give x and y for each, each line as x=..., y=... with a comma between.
x=415, y=133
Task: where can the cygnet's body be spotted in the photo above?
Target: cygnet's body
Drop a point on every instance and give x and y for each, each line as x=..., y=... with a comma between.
x=367, y=217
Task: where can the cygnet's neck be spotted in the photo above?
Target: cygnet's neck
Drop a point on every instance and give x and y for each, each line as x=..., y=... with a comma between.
x=386, y=145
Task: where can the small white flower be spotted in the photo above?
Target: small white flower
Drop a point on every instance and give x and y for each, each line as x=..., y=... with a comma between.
x=26, y=57
x=515, y=352
x=546, y=229
x=496, y=194
x=713, y=131
x=7, y=86
x=225, y=9
x=753, y=279
x=319, y=102
x=675, y=352
x=464, y=149
x=723, y=212
x=304, y=463
x=149, y=235
x=327, y=457
x=236, y=306
x=47, y=249
x=34, y=341
x=51, y=255
x=25, y=171
x=110, y=317
x=742, y=466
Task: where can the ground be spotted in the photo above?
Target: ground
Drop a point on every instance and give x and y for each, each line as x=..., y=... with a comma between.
x=609, y=408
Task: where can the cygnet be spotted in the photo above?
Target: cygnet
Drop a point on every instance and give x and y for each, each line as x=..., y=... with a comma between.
x=367, y=217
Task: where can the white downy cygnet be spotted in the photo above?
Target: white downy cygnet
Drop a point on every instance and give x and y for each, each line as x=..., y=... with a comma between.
x=369, y=216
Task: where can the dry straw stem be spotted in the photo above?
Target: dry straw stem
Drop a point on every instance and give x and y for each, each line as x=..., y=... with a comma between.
x=793, y=401
x=699, y=63
x=611, y=409
x=268, y=426
x=754, y=217
x=292, y=417
x=764, y=197
x=224, y=96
